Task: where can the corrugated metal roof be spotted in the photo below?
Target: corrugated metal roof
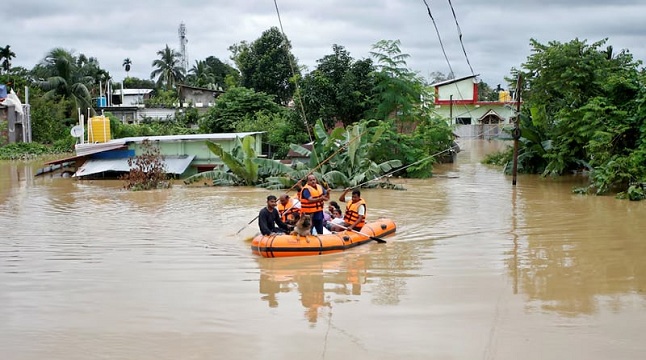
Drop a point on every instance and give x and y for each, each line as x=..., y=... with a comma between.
x=192, y=137
x=175, y=164
x=451, y=81
x=92, y=148
x=132, y=91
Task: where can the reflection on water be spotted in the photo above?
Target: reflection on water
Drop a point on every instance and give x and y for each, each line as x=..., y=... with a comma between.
x=531, y=271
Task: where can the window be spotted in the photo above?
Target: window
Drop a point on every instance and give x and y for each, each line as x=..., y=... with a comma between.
x=463, y=121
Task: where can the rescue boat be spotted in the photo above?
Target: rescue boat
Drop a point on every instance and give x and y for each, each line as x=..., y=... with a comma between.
x=282, y=245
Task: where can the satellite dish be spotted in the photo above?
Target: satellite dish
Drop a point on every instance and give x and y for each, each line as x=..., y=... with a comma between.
x=77, y=131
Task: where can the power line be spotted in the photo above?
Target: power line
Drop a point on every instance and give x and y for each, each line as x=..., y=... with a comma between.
x=291, y=65
x=439, y=37
x=428, y=8
x=460, y=37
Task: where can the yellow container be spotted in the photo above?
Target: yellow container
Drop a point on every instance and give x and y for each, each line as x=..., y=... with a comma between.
x=504, y=96
x=99, y=129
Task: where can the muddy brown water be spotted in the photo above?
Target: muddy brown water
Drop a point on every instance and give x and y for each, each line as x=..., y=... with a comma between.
x=478, y=269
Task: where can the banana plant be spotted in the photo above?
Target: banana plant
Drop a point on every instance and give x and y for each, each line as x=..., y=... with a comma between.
x=343, y=155
x=241, y=167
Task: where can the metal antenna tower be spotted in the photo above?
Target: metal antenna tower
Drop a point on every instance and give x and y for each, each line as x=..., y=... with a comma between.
x=182, y=45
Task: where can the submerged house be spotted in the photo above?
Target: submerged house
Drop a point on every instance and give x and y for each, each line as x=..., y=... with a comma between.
x=183, y=155
x=15, y=119
x=457, y=101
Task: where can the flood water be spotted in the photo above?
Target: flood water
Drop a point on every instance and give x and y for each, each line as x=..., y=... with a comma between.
x=478, y=269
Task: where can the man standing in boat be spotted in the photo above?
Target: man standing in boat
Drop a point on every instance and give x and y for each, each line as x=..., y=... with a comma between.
x=288, y=208
x=269, y=218
x=313, y=198
x=356, y=210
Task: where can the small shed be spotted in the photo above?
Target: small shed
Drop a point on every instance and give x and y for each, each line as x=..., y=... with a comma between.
x=15, y=120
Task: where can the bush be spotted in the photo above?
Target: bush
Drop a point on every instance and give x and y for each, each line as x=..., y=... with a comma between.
x=147, y=171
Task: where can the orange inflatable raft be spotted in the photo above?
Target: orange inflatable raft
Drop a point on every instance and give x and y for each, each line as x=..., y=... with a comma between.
x=281, y=245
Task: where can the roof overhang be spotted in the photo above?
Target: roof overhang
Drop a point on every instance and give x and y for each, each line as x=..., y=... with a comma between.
x=174, y=164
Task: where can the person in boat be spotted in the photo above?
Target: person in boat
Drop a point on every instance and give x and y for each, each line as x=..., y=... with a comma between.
x=328, y=214
x=337, y=219
x=288, y=208
x=356, y=210
x=269, y=218
x=313, y=198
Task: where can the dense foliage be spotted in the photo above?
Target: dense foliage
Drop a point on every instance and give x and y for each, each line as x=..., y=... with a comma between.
x=267, y=65
x=584, y=109
x=334, y=100
x=147, y=170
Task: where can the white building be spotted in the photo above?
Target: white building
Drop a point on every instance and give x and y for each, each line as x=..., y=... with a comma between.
x=457, y=101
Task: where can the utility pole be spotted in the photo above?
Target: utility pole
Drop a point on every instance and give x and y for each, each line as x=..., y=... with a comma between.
x=181, y=31
x=516, y=132
x=451, y=108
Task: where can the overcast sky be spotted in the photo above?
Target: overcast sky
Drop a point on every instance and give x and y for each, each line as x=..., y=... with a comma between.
x=496, y=34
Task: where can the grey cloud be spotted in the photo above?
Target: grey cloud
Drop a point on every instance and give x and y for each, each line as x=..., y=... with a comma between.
x=495, y=35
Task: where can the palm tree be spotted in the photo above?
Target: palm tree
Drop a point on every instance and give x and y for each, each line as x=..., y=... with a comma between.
x=168, y=70
x=200, y=74
x=7, y=55
x=126, y=64
x=63, y=77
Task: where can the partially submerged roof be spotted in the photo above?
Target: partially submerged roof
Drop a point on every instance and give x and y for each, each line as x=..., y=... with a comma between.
x=88, y=151
x=174, y=164
x=191, y=137
x=92, y=148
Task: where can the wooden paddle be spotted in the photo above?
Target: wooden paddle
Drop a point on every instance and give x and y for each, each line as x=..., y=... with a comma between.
x=381, y=241
x=309, y=173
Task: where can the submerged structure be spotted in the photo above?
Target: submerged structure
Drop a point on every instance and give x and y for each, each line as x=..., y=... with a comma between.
x=103, y=157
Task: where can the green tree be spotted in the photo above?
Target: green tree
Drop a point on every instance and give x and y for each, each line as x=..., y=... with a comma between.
x=200, y=75
x=233, y=106
x=47, y=124
x=136, y=83
x=6, y=55
x=221, y=71
x=280, y=130
x=63, y=78
x=338, y=89
x=167, y=69
x=17, y=78
x=126, y=65
x=398, y=89
x=586, y=105
x=486, y=93
x=569, y=82
x=267, y=65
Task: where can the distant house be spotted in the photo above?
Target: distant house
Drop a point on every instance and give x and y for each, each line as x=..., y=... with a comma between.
x=457, y=101
x=294, y=157
x=130, y=97
x=128, y=104
x=197, y=97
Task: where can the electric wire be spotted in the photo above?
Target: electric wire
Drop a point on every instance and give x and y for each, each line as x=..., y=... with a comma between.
x=460, y=37
x=451, y=75
x=428, y=8
x=293, y=67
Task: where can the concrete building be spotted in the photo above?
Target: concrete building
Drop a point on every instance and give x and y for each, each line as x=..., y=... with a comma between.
x=457, y=101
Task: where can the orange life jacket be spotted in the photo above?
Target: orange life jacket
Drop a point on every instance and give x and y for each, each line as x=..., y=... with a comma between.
x=352, y=213
x=309, y=207
x=287, y=212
